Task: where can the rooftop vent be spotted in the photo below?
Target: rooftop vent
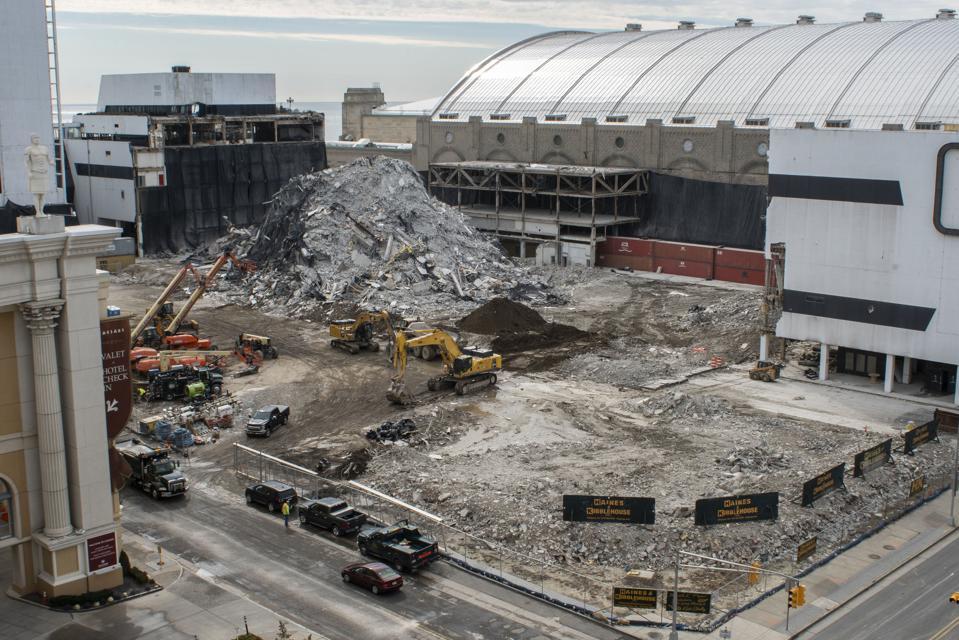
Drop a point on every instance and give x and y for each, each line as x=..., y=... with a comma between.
x=757, y=122
x=806, y=20
x=499, y=116
x=837, y=124
x=872, y=16
x=686, y=25
x=946, y=14
x=744, y=22
x=617, y=117
x=805, y=125
x=554, y=117
x=928, y=126
x=684, y=119
x=892, y=126
x=634, y=26
x=181, y=68
x=449, y=116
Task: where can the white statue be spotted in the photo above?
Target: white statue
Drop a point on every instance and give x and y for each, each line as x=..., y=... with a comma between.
x=38, y=160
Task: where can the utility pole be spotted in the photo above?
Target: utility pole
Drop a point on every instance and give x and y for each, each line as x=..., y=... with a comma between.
x=674, y=634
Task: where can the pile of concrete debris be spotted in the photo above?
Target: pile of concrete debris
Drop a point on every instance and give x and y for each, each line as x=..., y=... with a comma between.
x=369, y=235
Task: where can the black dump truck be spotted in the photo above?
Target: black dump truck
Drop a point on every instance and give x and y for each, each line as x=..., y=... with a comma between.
x=333, y=514
x=400, y=545
x=154, y=471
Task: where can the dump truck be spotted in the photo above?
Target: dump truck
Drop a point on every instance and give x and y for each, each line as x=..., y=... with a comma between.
x=153, y=470
x=400, y=545
x=331, y=513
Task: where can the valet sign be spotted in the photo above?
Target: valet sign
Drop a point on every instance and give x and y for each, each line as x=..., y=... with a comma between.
x=117, y=386
x=102, y=551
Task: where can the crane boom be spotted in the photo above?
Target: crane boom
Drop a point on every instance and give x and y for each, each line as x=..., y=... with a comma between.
x=151, y=313
x=203, y=283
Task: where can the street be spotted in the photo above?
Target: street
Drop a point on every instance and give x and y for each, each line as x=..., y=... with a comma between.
x=913, y=606
x=295, y=572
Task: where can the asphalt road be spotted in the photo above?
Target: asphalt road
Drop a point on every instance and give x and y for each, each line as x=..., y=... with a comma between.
x=295, y=572
x=913, y=606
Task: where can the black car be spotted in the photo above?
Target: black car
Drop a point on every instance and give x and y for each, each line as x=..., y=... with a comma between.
x=271, y=494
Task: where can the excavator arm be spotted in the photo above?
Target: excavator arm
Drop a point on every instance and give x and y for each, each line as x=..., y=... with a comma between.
x=448, y=349
x=245, y=266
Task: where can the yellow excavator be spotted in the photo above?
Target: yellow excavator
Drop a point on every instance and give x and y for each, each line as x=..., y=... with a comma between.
x=466, y=370
x=355, y=334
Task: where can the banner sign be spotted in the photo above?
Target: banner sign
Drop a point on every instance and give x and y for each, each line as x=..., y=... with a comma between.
x=635, y=598
x=920, y=435
x=117, y=385
x=689, y=602
x=744, y=508
x=609, y=509
x=102, y=551
x=806, y=549
x=822, y=484
x=871, y=458
x=918, y=484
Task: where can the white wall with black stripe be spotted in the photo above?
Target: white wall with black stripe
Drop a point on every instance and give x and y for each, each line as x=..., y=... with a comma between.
x=867, y=265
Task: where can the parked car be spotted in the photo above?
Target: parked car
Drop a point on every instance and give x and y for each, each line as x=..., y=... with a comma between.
x=375, y=576
x=271, y=494
x=333, y=514
x=402, y=545
x=266, y=419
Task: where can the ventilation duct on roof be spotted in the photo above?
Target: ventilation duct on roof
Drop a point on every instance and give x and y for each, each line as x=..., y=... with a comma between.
x=686, y=25
x=634, y=26
x=806, y=20
x=744, y=22
x=872, y=16
x=946, y=14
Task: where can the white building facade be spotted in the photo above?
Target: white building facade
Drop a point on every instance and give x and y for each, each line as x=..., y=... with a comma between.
x=870, y=225
x=25, y=96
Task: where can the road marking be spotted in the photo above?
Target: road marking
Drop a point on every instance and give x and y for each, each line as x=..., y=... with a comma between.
x=939, y=635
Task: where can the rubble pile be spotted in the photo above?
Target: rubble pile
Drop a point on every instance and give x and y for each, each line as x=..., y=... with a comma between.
x=512, y=496
x=369, y=234
x=734, y=311
x=517, y=327
x=633, y=363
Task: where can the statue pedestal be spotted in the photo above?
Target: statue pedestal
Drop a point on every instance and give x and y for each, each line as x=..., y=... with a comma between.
x=40, y=226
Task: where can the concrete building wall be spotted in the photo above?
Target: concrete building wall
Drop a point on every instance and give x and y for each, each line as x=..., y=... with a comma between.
x=386, y=128
x=723, y=153
x=861, y=270
x=105, y=189
x=156, y=89
x=25, y=106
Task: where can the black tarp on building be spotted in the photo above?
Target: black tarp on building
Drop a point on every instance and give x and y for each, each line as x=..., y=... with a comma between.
x=210, y=187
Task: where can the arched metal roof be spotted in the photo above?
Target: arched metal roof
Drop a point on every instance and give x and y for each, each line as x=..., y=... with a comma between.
x=866, y=73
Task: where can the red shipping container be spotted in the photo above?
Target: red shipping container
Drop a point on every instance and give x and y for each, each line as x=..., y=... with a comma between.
x=684, y=251
x=747, y=276
x=618, y=245
x=741, y=259
x=637, y=263
x=684, y=267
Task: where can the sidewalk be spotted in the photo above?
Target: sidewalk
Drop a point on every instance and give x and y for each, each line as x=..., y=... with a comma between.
x=190, y=606
x=845, y=577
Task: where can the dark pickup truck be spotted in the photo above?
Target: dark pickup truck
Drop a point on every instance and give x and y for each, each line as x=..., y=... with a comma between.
x=401, y=545
x=333, y=514
x=266, y=419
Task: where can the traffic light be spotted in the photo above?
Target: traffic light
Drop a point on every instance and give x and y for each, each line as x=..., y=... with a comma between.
x=797, y=596
x=754, y=573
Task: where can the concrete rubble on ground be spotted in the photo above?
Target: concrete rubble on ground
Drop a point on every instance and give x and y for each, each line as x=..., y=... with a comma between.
x=369, y=235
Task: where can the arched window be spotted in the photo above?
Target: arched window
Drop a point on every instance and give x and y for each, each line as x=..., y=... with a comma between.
x=6, y=511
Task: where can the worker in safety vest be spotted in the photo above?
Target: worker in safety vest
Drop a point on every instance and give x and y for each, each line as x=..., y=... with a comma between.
x=285, y=510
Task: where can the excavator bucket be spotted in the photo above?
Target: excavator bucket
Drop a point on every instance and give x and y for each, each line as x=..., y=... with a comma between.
x=398, y=394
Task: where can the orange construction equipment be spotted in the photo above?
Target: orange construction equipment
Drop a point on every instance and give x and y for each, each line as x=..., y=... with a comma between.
x=166, y=359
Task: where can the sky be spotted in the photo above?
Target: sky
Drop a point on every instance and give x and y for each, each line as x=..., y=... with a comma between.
x=415, y=49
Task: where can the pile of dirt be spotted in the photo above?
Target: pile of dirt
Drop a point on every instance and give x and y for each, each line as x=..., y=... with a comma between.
x=499, y=316
x=517, y=327
x=369, y=234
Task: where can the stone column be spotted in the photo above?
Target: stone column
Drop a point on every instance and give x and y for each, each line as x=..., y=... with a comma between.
x=41, y=318
x=906, y=370
x=824, y=361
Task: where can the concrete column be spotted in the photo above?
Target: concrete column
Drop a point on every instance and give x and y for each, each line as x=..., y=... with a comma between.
x=824, y=361
x=906, y=370
x=764, y=347
x=890, y=373
x=41, y=318
x=955, y=398
x=522, y=248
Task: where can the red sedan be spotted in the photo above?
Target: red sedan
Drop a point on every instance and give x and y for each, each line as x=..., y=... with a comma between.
x=375, y=576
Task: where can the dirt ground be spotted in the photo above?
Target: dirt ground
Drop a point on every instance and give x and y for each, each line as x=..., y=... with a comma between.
x=606, y=412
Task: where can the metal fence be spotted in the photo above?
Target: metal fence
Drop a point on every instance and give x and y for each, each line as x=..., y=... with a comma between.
x=542, y=577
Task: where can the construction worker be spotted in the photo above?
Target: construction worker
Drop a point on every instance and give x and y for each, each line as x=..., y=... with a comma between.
x=285, y=510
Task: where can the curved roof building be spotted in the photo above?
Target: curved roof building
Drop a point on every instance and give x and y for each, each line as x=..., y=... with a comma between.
x=860, y=75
